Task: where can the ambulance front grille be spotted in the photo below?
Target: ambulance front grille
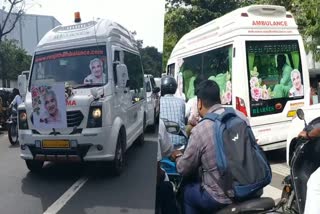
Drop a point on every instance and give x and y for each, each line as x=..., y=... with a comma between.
x=74, y=118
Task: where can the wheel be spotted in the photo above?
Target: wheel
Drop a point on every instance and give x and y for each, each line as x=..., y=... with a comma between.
x=13, y=133
x=140, y=139
x=154, y=125
x=119, y=157
x=34, y=166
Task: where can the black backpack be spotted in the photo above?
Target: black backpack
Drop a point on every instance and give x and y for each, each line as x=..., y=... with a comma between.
x=242, y=165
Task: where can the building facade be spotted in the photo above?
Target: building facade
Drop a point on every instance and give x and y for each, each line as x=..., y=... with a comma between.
x=28, y=32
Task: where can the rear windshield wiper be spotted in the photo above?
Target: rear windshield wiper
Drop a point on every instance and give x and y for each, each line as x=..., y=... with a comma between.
x=87, y=85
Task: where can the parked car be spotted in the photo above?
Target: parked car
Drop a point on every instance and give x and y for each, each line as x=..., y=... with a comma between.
x=158, y=81
x=153, y=101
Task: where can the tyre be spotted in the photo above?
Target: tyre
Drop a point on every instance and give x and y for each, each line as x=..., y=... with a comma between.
x=140, y=139
x=154, y=125
x=34, y=166
x=119, y=157
x=13, y=133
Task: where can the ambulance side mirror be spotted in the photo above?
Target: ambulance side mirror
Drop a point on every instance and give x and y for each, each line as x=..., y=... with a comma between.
x=122, y=75
x=22, y=84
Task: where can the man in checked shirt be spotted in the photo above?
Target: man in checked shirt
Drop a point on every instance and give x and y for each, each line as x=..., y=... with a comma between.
x=172, y=108
x=199, y=156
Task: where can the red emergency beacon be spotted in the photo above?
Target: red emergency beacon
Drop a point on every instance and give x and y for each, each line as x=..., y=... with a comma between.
x=77, y=17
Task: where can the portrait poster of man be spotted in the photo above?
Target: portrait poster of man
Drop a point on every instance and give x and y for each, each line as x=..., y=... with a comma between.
x=49, y=106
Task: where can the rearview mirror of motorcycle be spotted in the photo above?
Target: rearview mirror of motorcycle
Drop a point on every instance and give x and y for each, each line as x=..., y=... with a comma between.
x=300, y=114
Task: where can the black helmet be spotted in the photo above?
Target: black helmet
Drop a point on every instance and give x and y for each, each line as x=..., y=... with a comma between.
x=168, y=85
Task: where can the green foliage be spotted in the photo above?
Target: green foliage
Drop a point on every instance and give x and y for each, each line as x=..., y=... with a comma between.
x=184, y=15
x=151, y=61
x=13, y=60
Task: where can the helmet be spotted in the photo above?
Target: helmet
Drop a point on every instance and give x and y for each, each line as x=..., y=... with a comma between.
x=168, y=85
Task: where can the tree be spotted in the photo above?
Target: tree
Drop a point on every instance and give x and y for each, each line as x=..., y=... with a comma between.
x=152, y=61
x=14, y=58
x=151, y=58
x=12, y=10
x=307, y=15
x=184, y=15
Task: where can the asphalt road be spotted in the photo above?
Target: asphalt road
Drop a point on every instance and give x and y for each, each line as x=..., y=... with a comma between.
x=88, y=188
x=74, y=188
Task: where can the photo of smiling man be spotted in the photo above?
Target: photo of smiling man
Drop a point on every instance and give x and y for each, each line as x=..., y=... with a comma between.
x=49, y=106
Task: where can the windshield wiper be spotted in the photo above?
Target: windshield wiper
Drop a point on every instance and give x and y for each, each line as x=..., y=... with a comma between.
x=88, y=85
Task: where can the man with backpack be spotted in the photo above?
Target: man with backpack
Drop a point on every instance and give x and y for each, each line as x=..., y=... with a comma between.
x=207, y=155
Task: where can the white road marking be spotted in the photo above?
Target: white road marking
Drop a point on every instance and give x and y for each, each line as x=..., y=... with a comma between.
x=281, y=169
x=272, y=192
x=103, y=209
x=58, y=204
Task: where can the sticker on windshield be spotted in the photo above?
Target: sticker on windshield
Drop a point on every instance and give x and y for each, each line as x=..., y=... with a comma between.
x=49, y=106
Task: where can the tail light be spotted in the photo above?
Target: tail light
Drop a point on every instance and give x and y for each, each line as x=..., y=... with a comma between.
x=240, y=106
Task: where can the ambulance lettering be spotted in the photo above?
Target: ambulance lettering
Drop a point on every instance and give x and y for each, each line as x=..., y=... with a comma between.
x=71, y=103
x=270, y=23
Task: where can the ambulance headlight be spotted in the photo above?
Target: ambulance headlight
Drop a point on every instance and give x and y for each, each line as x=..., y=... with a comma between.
x=96, y=113
x=95, y=116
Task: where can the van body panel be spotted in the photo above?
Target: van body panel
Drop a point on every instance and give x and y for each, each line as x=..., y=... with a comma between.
x=228, y=49
x=120, y=107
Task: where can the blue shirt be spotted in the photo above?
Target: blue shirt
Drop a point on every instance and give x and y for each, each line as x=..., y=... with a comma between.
x=173, y=109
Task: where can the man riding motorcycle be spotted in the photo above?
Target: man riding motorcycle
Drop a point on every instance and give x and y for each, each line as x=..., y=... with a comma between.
x=205, y=195
x=172, y=108
x=313, y=185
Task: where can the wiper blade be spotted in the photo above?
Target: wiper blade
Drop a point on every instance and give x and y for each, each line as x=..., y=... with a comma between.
x=88, y=85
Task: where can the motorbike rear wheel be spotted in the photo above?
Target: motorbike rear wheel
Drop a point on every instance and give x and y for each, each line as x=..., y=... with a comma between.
x=13, y=133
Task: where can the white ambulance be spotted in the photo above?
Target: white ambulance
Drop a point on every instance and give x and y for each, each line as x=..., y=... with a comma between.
x=257, y=57
x=105, y=114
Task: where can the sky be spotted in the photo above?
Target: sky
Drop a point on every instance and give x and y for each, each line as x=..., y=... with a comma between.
x=146, y=17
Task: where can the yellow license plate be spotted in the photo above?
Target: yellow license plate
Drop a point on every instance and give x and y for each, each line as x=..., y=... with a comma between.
x=291, y=113
x=55, y=144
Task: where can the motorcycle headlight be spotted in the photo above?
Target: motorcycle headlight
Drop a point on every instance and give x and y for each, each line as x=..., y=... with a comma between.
x=23, y=119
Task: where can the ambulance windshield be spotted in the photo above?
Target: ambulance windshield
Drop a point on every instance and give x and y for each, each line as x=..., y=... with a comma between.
x=76, y=67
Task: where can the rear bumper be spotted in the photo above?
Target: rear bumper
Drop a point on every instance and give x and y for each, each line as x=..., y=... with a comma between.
x=272, y=136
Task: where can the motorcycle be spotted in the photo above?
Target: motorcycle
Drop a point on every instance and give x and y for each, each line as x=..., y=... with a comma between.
x=12, y=124
x=257, y=205
x=303, y=160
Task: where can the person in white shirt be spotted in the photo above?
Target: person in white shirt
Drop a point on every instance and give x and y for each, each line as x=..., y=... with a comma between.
x=97, y=75
x=17, y=100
